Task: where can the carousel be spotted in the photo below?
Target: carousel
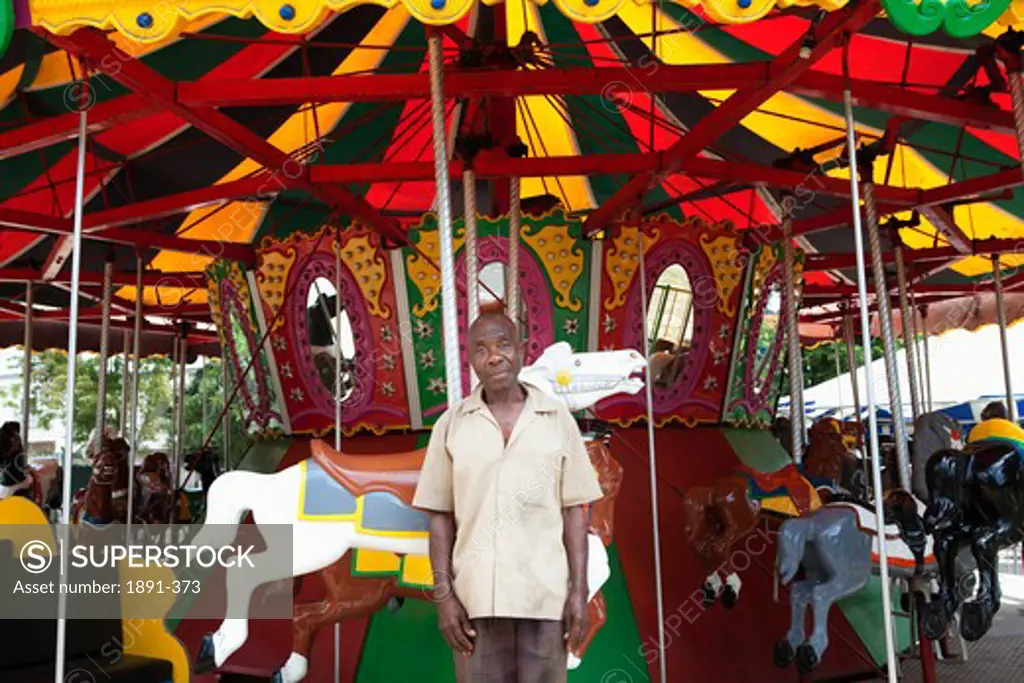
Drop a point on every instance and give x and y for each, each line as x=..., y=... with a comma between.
x=671, y=200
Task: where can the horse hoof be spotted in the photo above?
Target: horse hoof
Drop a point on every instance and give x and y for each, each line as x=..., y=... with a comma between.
x=974, y=621
x=806, y=659
x=933, y=620
x=206, y=659
x=709, y=595
x=783, y=654
x=729, y=597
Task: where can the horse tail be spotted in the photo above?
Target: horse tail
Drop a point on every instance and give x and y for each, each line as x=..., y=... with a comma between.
x=792, y=541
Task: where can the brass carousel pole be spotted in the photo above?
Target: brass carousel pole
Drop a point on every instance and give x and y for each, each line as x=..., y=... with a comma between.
x=885, y=323
x=26, y=370
x=907, y=322
x=865, y=325
x=927, y=357
x=125, y=342
x=101, y=378
x=997, y=275
x=136, y=371
x=796, y=374
x=449, y=313
x=851, y=360
x=69, y=401
x=515, y=220
x=472, y=264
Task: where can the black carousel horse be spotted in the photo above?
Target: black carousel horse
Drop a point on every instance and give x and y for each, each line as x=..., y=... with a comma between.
x=976, y=501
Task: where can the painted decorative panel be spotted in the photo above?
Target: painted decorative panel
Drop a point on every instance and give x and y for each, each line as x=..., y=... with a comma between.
x=760, y=348
x=693, y=271
x=553, y=280
x=296, y=278
x=232, y=311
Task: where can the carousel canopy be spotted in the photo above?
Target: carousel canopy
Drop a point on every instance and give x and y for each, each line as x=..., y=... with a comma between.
x=214, y=125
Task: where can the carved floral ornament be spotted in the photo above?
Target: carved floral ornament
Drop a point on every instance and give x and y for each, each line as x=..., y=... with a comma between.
x=147, y=21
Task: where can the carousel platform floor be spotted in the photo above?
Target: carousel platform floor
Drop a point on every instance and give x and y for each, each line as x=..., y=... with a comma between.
x=997, y=657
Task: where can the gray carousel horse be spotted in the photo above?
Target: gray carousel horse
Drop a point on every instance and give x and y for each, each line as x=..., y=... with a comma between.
x=837, y=548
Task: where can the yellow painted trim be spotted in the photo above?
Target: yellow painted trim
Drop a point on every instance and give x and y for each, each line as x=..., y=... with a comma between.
x=377, y=561
x=416, y=570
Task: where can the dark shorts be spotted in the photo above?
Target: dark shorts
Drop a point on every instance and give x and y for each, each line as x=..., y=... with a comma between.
x=515, y=651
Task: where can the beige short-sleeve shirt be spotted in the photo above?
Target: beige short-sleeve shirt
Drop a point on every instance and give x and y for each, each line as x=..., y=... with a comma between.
x=509, y=558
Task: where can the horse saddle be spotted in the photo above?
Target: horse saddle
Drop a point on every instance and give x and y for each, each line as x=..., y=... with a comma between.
x=394, y=473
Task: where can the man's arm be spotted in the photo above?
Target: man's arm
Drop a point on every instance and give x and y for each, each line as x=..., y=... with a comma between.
x=575, y=616
x=451, y=615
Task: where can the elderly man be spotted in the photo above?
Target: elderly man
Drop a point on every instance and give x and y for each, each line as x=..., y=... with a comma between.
x=505, y=481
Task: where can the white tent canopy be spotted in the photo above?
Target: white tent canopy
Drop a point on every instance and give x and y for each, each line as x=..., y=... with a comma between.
x=964, y=366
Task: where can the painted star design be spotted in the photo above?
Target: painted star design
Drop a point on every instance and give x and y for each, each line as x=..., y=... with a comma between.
x=279, y=343
x=710, y=383
x=423, y=328
x=723, y=331
x=608, y=323
x=427, y=359
x=297, y=395
x=387, y=361
x=437, y=385
x=286, y=370
x=388, y=388
x=572, y=325
x=386, y=334
x=719, y=355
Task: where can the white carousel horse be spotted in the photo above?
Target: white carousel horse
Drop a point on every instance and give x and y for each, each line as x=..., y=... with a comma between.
x=580, y=379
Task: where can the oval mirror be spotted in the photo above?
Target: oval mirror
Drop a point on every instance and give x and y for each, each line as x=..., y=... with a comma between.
x=669, y=325
x=323, y=346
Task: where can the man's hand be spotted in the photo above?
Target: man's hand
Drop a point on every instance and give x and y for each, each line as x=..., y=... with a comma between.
x=455, y=626
x=575, y=619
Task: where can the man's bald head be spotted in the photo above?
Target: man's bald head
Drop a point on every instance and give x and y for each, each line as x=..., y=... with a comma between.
x=494, y=350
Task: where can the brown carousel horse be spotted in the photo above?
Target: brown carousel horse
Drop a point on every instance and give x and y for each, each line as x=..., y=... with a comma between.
x=351, y=596
x=830, y=460
x=40, y=480
x=719, y=516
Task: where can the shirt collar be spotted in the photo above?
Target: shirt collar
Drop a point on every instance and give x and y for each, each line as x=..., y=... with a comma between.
x=536, y=400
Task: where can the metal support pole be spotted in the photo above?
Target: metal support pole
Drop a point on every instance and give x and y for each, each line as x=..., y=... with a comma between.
x=182, y=380
x=888, y=342
x=865, y=325
x=472, y=264
x=69, y=400
x=449, y=312
x=125, y=375
x=101, y=383
x=907, y=319
x=839, y=385
x=927, y=358
x=225, y=424
x=26, y=370
x=796, y=374
x=338, y=394
x=851, y=360
x=916, y=324
x=174, y=400
x=136, y=371
x=515, y=221
x=997, y=274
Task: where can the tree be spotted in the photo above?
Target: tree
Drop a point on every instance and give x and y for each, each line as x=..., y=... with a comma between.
x=204, y=403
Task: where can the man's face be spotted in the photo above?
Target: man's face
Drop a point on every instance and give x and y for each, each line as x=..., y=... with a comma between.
x=495, y=353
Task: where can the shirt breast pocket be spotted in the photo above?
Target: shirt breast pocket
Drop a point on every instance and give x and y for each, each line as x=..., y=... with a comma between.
x=539, y=470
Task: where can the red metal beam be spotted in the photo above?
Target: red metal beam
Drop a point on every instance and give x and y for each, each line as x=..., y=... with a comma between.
x=821, y=291
x=56, y=225
x=53, y=129
x=946, y=226
x=262, y=186
x=790, y=65
x=594, y=81
x=973, y=188
x=818, y=262
x=150, y=278
x=104, y=55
